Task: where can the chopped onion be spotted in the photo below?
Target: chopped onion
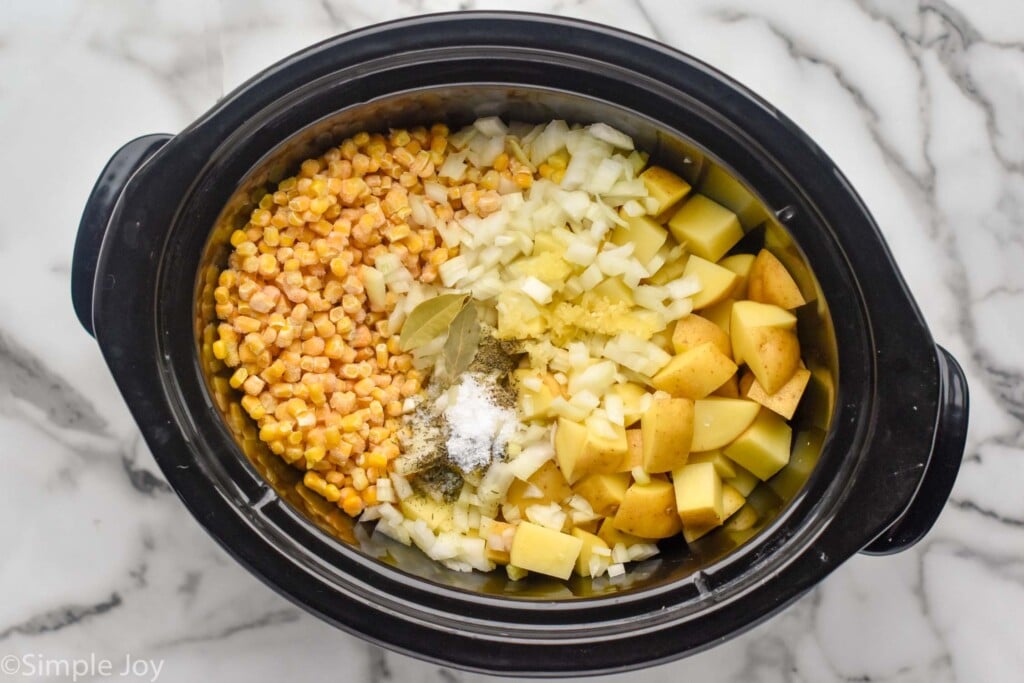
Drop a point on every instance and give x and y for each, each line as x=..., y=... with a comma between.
x=620, y=553
x=532, y=287
x=615, y=138
x=436, y=192
x=548, y=142
x=454, y=167
x=550, y=515
x=596, y=379
x=642, y=551
x=462, y=138
x=491, y=126
x=376, y=290
x=633, y=209
x=615, y=408
x=453, y=270
x=604, y=176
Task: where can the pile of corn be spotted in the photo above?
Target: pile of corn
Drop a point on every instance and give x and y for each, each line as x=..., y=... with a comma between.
x=322, y=374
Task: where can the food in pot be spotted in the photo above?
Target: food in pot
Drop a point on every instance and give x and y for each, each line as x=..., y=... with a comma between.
x=512, y=345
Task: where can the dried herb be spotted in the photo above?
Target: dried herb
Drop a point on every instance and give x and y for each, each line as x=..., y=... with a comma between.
x=461, y=345
x=430, y=319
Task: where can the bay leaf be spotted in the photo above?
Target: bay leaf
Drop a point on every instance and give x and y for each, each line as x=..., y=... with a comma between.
x=430, y=319
x=461, y=345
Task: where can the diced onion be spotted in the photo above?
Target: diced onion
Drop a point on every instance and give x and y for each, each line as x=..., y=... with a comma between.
x=615, y=138
x=532, y=287
x=490, y=126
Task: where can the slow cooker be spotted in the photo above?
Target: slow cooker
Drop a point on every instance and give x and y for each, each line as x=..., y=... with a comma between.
x=882, y=430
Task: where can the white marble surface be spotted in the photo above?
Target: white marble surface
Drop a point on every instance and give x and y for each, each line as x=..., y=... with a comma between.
x=920, y=104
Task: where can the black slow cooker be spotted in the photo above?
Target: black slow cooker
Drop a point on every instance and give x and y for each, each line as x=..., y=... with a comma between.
x=881, y=436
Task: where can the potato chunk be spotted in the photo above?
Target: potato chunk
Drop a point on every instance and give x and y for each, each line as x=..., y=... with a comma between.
x=648, y=510
x=646, y=235
x=666, y=430
x=771, y=283
x=786, y=399
x=695, y=373
x=580, y=452
x=604, y=492
x=693, y=330
x=764, y=447
x=665, y=187
x=590, y=542
x=698, y=493
x=707, y=228
x=718, y=421
x=741, y=265
x=773, y=355
x=538, y=549
x=716, y=282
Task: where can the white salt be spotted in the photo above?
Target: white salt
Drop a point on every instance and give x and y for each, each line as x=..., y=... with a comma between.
x=479, y=428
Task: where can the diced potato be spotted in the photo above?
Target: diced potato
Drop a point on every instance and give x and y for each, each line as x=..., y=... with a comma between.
x=547, y=242
x=745, y=518
x=612, y=289
x=732, y=502
x=695, y=373
x=437, y=515
x=771, y=283
x=665, y=187
x=727, y=190
x=518, y=316
x=725, y=467
x=589, y=542
x=672, y=270
x=754, y=314
x=803, y=457
x=730, y=389
x=632, y=395
x=743, y=481
x=741, y=265
x=764, y=447
x=666, y=428
x=698, y=494
x=648, y=510
x=721, y=315
x=644, y=233
x=748, y=316
x=533, y=405
x=716, y=282
x=546, y=266
x=570, y=446
x=707, y=228
x=604, y=492
x=717, y=421
x=548, y=480
x=785, y=400
x=663, y=340
x=612, y=536
x=634, y=450
x=580, y=452
x=545, y=551
x=693, y=330
x=773, y=355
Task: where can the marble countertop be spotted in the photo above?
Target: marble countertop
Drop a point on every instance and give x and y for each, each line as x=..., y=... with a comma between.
x=918, y=101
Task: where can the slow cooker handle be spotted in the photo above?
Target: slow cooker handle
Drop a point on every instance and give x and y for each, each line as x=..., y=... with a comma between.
x=98, y=210
x=947, y=452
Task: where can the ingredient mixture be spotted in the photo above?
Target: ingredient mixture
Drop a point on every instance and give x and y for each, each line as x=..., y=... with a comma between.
x=513, y=345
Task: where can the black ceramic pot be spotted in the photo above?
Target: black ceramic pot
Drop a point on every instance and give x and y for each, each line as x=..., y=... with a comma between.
x=880, y=439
